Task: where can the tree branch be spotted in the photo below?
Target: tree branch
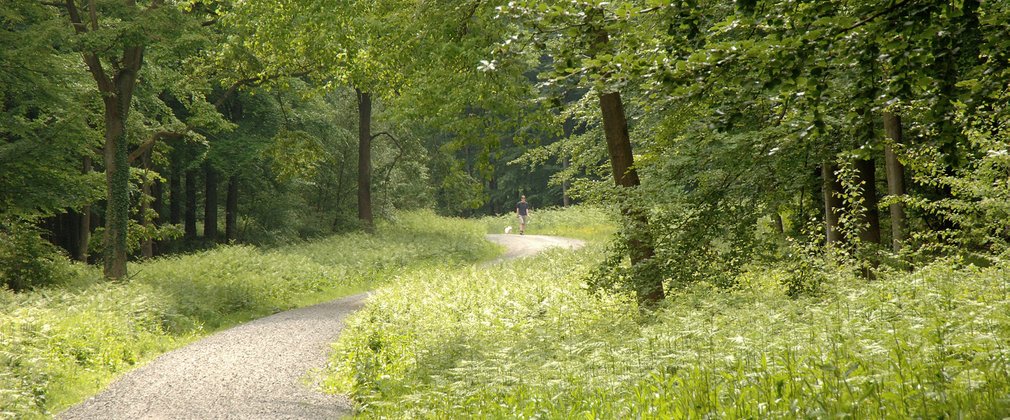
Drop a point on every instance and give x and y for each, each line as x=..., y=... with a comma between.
x=874, y=16
x=147, y=145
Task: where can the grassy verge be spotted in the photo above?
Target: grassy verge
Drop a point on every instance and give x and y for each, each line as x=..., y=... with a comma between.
x=582, y=222
x=529, y=340
x=59, y=345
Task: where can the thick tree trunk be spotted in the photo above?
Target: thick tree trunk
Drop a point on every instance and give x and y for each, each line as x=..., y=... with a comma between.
x=190, y=223
x=365, y=158
x=210, y=204
x=870, y=231
x=895, y=180
x=231, y=210
x=84, y=224
x=117, y=178
x=832, y=189
x=615, y=128
x=117, y=95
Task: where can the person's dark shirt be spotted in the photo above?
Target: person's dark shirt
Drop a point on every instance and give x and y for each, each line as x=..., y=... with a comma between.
x=522, y=207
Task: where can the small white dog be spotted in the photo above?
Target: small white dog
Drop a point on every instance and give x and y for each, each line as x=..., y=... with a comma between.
x=508, y=229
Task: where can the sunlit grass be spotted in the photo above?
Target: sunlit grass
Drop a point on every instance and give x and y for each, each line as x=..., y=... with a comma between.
x=60, y=345
x=528, y=339
x=582, y=222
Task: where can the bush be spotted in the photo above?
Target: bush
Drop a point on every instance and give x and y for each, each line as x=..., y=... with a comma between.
x=26, y=259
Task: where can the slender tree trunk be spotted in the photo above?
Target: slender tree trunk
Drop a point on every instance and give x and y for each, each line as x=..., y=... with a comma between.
x=565, y=201
x=895, y=180
x=365, y=158
x=210, y=204
x=190, y=223
x=84, y=224
x=615, y=129
x=175, y=195
x=832, y=189
x=867, y=170
x=158, y=189
x=147, y=246
x=777, y=223
x=231, y=210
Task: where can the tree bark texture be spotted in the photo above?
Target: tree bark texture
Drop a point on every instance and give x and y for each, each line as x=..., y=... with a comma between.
x=190, y=223
x=870, y=230
x=210, y=204
x=231, y=210
x=895, y=180
x=615, y=128
x=832, y=188
x=365, y=158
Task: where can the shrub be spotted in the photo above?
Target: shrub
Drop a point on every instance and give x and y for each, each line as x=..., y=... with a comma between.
x=26, y=259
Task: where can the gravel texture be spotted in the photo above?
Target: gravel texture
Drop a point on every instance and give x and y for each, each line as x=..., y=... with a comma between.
x=259, y=370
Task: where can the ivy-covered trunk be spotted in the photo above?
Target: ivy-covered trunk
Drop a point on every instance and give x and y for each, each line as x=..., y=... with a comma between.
x=116, y=89
x=117, y=179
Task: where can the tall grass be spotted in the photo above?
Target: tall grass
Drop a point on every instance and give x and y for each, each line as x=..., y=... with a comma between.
x=528, y=339
x=58, y=345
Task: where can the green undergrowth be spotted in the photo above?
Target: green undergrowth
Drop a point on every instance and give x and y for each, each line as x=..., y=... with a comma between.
x=582, y=222
x=58, y=345
x=528, y=339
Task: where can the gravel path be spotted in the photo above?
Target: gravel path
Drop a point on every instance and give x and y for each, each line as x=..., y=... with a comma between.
x=256, y=370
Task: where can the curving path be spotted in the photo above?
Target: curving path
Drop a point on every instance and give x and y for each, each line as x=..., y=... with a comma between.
x=256, y=370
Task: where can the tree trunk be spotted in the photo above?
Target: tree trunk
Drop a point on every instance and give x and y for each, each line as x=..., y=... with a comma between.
x=231, y=210
x=190, y=228
x=565, y=201
x=84, y=224
x=365, y=158
x=147, y=246
x=832, y=189
x=117, y=95
x=777, y=223
x=175, y=195
x=870, y=231
x=117, y=178
x=615, y=128
x=895, y=180
x=210, y=204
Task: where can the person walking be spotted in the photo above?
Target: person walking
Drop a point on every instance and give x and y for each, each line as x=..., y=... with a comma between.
x=523, y=211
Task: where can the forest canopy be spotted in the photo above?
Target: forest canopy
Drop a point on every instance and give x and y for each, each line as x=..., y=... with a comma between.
x=719, y=133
